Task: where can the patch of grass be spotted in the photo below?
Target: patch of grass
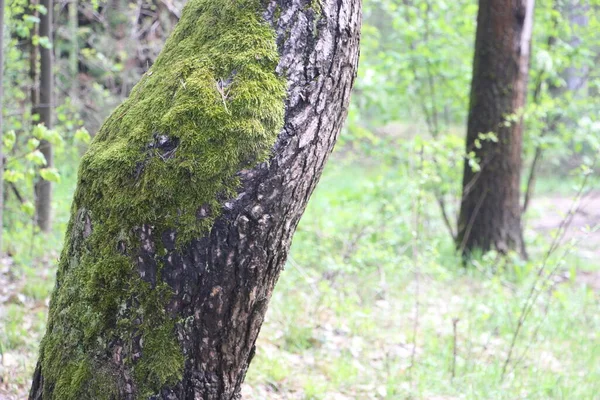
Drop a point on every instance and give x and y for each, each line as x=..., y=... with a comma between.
x=298, y=338
x=275, y=371
x=313, y=388
x=37, y=289
x=13, y=332
x=342, y=371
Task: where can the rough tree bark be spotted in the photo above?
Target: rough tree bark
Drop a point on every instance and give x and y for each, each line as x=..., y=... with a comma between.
x=45, y=108
x=179, y=227
x=490, y=214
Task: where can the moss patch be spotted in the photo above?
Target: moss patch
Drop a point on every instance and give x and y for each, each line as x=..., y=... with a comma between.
x=210, y=106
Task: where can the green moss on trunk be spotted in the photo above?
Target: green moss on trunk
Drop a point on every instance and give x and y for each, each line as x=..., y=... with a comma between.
x=210, y=106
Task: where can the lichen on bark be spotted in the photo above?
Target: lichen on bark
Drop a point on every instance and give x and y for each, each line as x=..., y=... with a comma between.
x=162, y=163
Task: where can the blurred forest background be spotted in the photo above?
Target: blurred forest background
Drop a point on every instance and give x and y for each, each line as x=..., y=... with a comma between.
x=375, y=302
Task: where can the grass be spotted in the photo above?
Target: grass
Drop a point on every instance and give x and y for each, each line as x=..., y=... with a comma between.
x=355, y=301
x=364, y=349
x=374, y=305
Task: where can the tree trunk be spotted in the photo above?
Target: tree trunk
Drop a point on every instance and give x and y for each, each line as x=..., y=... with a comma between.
x=490, y=214
x=33, y=61
x=576, y=77
x=74, y=50
x=188, y=198
x=1, y=121
x=43, y=188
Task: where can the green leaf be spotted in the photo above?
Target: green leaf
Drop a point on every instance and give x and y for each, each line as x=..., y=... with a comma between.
x=45, y=42
x=28, y=208
x=50, y=174
x=22, y=31
x=39, y=131
x=82, y=135
x=37, y=158
x=54, y=137
x=9, y=139
x=13, y=176
x=32, y=19
x=32, y=144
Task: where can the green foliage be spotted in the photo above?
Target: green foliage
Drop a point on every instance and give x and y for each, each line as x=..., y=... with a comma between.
x=210, y=106
x=564, y=106
x=415, y=72
x=415, y=63
x=23, y=135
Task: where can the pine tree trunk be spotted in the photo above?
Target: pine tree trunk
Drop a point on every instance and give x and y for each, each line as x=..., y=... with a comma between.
x=45, y=108
x=490, y=214
x=188, y=199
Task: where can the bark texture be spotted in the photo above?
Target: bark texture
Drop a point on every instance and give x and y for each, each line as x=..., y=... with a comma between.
x=220, y=283
x=45, y=108
x=490, y=214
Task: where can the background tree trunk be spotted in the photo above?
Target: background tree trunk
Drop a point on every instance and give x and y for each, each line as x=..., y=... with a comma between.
x=33, y=61
x=1, y=121
x=74, y=50
x=576, y=77
x=150, y=303
x=45, y=108
x=490, y=214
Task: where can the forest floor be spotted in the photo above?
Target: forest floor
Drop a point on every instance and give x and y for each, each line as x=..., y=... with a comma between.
x=373, y=322
x=586, y=214
x=583, y=228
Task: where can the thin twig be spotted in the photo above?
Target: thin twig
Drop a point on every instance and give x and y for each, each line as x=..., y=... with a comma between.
x=442, y=204
x=454, y=347
x=533, y=293
x=531, y=178
x=538, y=150
x=471, y=223
x=16, y=193
x=538, y=326
x=415, y=259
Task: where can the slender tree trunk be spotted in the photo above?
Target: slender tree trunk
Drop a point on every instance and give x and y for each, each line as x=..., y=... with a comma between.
x=74, y=51
x=490, y=214
x=43, y=188
x=1, y=121
x=188, y=199
x=576, y=77
x=33, y=62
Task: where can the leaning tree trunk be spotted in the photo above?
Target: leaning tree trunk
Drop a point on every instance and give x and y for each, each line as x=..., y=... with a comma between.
x=490, y=214
x=188, y=198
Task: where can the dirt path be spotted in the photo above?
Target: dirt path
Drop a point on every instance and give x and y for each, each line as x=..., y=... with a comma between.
x=548, y=213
